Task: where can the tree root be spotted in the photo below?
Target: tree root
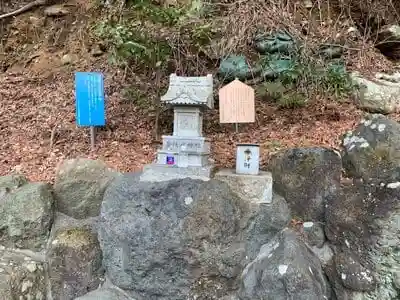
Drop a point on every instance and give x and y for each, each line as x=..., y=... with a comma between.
x=25, y=8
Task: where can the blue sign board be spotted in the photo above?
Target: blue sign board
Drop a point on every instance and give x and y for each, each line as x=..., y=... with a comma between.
x=89, y=93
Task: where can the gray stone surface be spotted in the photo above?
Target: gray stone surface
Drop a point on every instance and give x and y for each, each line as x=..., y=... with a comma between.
x=352, y=273
x=261, y=223
x=9, y=183
x=159, y=173
x=365, y=219
x=379, y=95
x=197, y=234
x=371, y=151
x=193, y=144
x=26, y=215
x=155, y=234
x=79, y=187
x=314, y=233
x=364, y=224
x=183, y=159
x=324, y=253
x=307, y=178
x=75, y=262
x=284, y=269
x=254, y=188
x=21, y=277
x=106, y=294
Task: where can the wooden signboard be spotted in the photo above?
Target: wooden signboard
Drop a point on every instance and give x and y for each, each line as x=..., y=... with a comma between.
x=236, y=103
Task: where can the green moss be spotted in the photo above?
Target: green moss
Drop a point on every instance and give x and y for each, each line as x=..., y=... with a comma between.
x=307, y=163
x=375, y=157
x=75, y=237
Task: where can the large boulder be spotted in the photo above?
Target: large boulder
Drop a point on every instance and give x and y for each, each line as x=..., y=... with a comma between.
x=262, y=222
x=371, y=151
x=182, y=239
x=153, y=235
x=79, y=187
x=307, y=178
x=75, y=262
x=26, y=215
x=9, y=183
x=21, y=277
x=284, y=269
x=364, y=225
x=388, y=40
x=378, y=95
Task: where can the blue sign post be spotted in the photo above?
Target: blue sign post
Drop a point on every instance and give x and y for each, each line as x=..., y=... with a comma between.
x=90, y=108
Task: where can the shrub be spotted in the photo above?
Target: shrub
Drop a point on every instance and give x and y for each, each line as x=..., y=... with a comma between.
x=127, y=44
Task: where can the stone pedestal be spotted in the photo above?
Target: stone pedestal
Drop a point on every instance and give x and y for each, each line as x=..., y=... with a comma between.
x=184, y=151
x=254, y=188
x=157, y=173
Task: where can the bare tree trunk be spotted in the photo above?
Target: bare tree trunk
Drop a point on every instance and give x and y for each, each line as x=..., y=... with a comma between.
x=157, y=106
x=23, y=9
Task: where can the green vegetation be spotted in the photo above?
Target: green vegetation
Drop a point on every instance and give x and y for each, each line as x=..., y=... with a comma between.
x=146, y=10
x=147, y=35
x=279, y=93
x=298, y=79
x=127, y=44
x=135, y=95
x=134, y=38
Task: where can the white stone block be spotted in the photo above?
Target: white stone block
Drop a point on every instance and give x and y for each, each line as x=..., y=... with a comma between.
x=253, y=188
x=190, y=144
x=173, y=159
x=157, y=173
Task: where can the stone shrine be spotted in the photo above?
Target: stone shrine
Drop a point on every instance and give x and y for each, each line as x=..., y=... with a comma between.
x=186, y=152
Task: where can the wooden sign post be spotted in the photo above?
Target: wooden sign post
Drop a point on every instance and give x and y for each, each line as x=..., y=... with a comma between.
x=236, y=103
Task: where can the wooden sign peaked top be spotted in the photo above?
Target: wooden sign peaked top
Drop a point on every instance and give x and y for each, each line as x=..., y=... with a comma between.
x=236, y=103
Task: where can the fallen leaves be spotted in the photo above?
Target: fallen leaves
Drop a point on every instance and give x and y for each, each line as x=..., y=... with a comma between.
x=31, y=109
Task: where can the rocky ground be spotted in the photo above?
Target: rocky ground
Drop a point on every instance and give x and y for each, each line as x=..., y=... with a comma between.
x=99, y=234
x=42, y=48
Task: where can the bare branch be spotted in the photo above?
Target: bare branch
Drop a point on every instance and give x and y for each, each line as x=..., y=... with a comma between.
x=25, y=8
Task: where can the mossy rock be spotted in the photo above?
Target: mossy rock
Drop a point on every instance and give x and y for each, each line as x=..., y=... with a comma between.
x=26, y=216
x=80, y=185
x=371, y=151
x=75, y=261
x=307, y=178
x=12, y=182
